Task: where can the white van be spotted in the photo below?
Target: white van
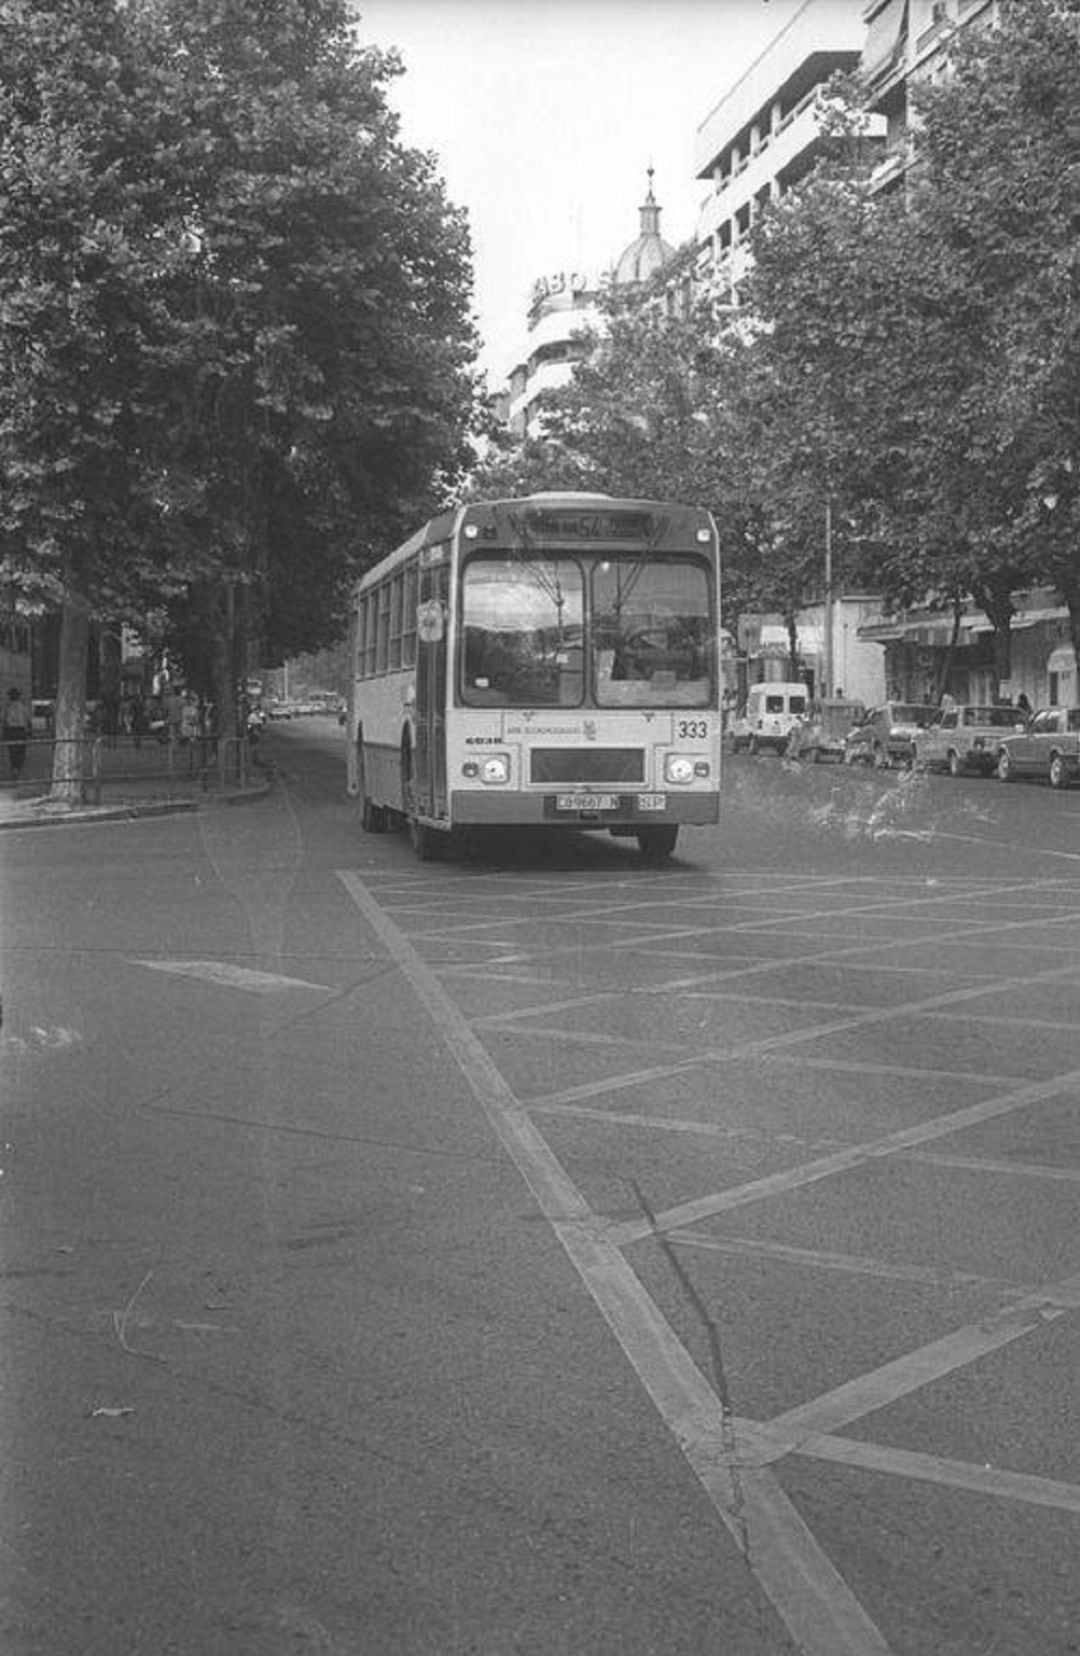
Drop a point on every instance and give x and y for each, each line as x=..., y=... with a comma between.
x=771, y=713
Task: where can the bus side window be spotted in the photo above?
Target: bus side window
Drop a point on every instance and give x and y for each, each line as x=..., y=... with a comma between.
x=396, y=593
x=408, y=618
x=382, y=628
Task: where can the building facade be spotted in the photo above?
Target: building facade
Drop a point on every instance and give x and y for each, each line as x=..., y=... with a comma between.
x=906, y=45
x=764, y=135
x=564, y=309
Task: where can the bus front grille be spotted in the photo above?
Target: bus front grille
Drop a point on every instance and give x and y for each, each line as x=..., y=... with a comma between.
x=591, y=764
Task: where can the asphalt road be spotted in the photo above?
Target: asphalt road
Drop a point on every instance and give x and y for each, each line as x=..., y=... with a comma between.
x=541, y=1252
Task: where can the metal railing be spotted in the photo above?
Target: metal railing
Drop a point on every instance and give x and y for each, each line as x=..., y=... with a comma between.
x=103, y=768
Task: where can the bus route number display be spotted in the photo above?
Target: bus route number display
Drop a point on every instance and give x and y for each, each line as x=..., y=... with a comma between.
x=590, y=526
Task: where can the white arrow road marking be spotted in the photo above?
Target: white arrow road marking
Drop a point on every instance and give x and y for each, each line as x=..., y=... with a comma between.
x=235, y=977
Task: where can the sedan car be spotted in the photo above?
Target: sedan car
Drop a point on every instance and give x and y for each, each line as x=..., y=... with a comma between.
x=967, y=738
x=887, y=734
x=1049, y=747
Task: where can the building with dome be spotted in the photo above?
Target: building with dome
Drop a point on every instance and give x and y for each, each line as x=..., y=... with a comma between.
x=564, y=308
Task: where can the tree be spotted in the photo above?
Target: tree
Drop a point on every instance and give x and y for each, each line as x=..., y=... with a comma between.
x=81, y=316
x=645, y=415
x=1000, y=195
x=234, y=310
x=327, y=375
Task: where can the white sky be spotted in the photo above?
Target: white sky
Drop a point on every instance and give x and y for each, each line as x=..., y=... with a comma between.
x=545, y=114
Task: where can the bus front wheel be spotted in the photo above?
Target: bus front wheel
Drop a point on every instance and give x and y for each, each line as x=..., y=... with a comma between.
x=427, y=842
x=658, y=842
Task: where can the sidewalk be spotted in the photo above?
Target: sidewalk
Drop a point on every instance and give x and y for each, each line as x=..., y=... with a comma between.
x=148, y=781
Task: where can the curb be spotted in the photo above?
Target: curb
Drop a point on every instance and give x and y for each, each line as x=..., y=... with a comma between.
x=132, y=809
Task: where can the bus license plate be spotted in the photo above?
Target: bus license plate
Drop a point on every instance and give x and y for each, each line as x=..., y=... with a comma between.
x=652, y=802
x=586, y=802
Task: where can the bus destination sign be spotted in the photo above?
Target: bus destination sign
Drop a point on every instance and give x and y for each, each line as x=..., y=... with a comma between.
x=570, y=525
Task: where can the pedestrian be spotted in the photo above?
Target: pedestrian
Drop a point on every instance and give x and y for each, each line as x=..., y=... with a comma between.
x=1023, y=705
x=16, y=730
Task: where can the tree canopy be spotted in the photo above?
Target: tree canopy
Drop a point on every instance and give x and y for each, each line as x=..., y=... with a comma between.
x=913, y=358
x=235, y=338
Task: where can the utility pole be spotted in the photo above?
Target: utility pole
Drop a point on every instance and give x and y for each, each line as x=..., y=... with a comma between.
x=827, y=624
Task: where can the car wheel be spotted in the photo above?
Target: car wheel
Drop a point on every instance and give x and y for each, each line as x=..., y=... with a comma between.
x=1004, y=766
x=1058, y=772
x=956, y=764
x=658, y=842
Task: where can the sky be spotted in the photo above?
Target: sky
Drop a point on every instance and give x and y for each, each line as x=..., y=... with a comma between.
x=545, y=115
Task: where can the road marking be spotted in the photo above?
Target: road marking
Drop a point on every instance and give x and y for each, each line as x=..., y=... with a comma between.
x=824, y=1167
x=881, y=1386
x=822, y=1615
x=233, y=977
x=816, y=1259
x=936, y=1469
x=814, y=1032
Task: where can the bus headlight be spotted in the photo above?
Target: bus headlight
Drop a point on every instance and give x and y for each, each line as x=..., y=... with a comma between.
x=495, y=768
x=678, y=768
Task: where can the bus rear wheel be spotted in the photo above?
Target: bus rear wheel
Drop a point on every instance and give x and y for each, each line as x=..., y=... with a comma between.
x=658, y=842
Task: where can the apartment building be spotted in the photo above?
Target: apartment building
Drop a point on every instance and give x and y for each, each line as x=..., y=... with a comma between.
x=906, y=45
x=764, y=134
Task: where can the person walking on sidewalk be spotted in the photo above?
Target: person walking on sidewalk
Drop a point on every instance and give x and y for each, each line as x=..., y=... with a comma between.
x=16, y=729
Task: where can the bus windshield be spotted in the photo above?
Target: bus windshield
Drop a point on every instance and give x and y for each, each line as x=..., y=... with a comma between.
x=650, y=632
x=538, y=632
x=522, y=626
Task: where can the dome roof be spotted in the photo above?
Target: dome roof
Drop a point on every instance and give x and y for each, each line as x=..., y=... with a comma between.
x=649, y=252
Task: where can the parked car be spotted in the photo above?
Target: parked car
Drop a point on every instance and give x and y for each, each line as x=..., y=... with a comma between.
x=42, y=716
x=822, y=733
x=770, y=715
x=1049, y=747
x=967, y=738
x=887, y=734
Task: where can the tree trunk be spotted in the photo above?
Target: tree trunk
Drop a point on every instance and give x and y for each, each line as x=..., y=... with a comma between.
x=222, y=607
x=792, y=623
x=945, y=664
x=71, y=750
x=997, y=602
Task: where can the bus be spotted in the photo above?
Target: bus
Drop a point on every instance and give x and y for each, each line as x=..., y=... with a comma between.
x=551, y=661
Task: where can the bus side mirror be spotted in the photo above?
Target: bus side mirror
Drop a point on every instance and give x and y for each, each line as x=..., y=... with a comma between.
x=430, y=622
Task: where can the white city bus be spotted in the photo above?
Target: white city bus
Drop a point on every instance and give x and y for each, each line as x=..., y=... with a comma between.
x=549, y=661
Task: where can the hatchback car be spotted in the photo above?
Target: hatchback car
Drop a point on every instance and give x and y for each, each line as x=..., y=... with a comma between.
x=887, y=734
x=967, y=738
x=1049, y=747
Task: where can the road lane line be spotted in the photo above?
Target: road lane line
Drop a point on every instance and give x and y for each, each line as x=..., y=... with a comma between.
x=815, y=1032
x=819, y=1610
x=950, y=1474
x=824, y=1167
x=879, y=1387
x=817, y=1259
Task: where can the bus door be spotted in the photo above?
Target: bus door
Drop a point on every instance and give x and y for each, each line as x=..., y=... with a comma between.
x=429, y=760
